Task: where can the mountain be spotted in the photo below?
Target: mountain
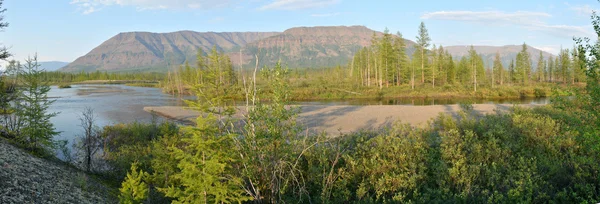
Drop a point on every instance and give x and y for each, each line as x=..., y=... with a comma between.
x=322, y=46
x=52, y=65
x=507, y=53
x=151, y=51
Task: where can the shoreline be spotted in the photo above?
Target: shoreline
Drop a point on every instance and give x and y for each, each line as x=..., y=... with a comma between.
x=339, y=119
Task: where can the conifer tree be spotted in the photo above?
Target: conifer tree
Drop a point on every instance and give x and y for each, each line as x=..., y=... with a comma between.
x=451, y=68
x=511, y=71
x=133, y=189
x=402, y=61
x=523, y=66
x=498, y=70
x=422, y=45
x=540, y=68
x=549, y=69
x=37, y=131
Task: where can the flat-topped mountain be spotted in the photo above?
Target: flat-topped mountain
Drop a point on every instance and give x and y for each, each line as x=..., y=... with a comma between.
x=321, y=46
x=151, y=51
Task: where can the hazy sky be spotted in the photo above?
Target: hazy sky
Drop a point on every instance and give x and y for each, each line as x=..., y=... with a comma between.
x=66, y=29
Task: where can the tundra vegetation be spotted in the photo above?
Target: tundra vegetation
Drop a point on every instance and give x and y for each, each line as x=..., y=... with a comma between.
x=384, y=70
x=545, y=154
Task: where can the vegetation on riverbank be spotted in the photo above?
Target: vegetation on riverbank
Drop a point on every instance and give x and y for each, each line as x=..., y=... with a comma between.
x=64, y=86
x=528, y=155
x=363, y=77
x=541, y=155
x=548, y=154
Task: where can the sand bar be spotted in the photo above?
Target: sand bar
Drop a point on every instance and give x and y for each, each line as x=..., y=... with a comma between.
x=336, y=119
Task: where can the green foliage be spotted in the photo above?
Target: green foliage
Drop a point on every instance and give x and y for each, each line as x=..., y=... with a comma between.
x=100, y=77
x=522, y=72
x=272, y=146
x=204, y=167
x=64, y=86
x=126, y=143
x=133, y=189
x=37, y=131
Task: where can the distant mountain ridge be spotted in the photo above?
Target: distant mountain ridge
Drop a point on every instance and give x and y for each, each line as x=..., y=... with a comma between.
x=52, y=65
x=321, y=46
x=507, y=53
x=149, y=51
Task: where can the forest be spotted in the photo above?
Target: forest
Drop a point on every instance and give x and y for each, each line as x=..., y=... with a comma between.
x=384, y=70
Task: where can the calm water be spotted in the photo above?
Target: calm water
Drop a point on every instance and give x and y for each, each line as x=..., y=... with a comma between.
x=111, y=104
x=123, y=104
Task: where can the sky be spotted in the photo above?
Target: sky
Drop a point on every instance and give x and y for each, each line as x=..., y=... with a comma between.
x=62, y=30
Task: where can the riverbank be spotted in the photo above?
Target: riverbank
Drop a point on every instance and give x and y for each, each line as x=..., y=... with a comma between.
x=336, y=119
x=28, y=179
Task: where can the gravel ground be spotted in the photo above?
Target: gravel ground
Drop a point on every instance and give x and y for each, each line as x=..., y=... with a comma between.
x=28, y=179
x=336, y=119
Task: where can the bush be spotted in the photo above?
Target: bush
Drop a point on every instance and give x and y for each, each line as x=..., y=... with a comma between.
x=64, y=86
x=539, y=92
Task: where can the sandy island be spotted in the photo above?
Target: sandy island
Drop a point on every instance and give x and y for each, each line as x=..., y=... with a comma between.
x=336, y=119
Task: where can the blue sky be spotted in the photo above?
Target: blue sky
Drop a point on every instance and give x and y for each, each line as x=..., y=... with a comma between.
x=66, y=29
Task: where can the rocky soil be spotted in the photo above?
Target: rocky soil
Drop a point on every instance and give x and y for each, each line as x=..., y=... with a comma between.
x=28, y=179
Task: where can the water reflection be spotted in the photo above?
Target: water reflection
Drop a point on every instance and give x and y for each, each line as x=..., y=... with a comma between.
x=111, y=103
x=123, y=104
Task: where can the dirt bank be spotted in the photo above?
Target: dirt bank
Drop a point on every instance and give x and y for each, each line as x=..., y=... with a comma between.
x=28, y=179
x=335, y=119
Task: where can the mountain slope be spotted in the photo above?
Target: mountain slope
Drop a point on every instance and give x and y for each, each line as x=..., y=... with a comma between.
x=507, y=53
x=300, y=47
x=322, y=46
x=52, y=65
x=144, y=50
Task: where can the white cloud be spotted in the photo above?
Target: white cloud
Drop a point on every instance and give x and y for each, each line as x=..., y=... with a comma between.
x=583, y=10
x=298, y=4
x=528, y=20
x=520, y=17
x=552, y=49
x=90, y=6
x=325, y=14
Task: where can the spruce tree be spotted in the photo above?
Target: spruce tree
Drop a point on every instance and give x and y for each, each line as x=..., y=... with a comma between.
x=422, y=45
x=523, y=66
x=38, y=131
x=498, y=70
x=133, y=189
x=540, y=68
x=402, y=60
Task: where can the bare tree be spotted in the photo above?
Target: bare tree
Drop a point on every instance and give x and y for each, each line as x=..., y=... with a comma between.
x=90, y=142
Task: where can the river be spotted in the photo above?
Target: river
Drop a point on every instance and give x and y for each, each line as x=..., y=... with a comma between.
x=114, y=104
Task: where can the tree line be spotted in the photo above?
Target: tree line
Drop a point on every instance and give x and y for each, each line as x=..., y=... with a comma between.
x=385, y=63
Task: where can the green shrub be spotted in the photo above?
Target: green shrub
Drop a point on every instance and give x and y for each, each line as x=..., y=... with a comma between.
x=64, y=86
x=539, y=92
